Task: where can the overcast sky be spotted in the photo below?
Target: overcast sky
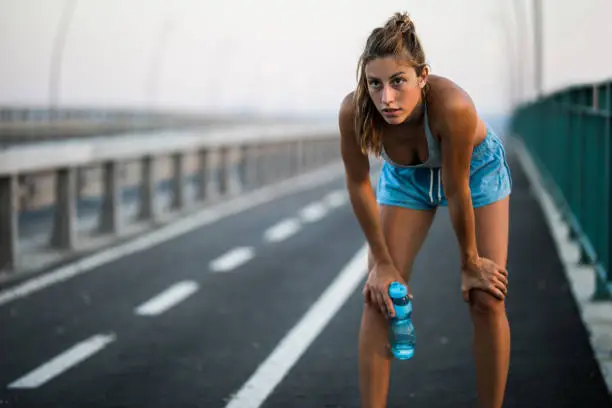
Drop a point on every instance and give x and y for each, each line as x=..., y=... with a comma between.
x=279, y=55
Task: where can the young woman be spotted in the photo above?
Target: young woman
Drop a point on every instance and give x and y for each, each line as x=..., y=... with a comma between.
x=436, y=151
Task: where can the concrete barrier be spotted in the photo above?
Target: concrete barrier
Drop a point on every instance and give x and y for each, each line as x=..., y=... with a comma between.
x=61, y=178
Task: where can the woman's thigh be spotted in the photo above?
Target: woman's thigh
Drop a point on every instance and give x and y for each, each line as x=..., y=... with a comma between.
x=492, y=230
x=404, y=230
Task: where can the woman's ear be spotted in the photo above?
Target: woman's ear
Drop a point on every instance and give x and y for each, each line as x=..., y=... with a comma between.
x=423, y=77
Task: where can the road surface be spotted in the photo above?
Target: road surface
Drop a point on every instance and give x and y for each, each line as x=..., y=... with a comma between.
x=262, y=309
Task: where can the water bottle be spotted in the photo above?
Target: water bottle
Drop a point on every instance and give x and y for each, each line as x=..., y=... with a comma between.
x=401, y=331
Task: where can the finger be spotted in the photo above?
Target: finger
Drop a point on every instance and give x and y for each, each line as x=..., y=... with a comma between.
x=466, y=295
x=381, y=304
x=366, y=294
x=389, y=305
x=503, y=287
x=496, y=292
x=503, y=279
x=503, y=271
x=388, y=349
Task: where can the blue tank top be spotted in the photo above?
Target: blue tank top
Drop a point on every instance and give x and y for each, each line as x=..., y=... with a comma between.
x=434, y=154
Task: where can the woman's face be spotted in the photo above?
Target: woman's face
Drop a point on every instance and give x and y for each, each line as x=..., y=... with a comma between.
x=394, y=87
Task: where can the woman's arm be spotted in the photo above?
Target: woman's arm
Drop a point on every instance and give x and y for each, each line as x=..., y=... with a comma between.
x=361, y=194
x=458, y=133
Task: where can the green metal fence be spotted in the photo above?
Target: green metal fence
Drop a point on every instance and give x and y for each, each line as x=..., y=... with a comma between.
x=568, y=134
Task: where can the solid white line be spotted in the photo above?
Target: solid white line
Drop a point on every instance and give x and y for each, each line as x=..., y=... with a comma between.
x=313, y=212
x=596, y=316
x=288, y=351
x=63, y=362
x=232, y=259
x=167, y=299
x=188, y=223
x=282, y=230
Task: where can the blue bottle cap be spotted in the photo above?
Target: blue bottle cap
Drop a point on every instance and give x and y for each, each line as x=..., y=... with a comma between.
x=397, y=290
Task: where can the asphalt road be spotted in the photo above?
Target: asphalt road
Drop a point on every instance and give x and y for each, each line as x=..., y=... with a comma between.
x=279, y=308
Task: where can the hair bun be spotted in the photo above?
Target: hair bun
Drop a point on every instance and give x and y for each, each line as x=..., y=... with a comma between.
x=402, y=22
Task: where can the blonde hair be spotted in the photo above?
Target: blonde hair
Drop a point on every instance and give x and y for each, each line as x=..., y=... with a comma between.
x=397, y=37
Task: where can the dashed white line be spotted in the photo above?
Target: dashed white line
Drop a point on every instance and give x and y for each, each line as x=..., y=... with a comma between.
x=232, y=259
x=167, y=299
x=336, y=199
x=63, y=362
x=313, y=212
x=282, y=230
x=188, y=223
x=288, y=351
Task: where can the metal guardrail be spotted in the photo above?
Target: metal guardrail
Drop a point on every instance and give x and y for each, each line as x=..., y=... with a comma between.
x=29, y=125
x=45, y=114
x=569, y=136
x=226, y=163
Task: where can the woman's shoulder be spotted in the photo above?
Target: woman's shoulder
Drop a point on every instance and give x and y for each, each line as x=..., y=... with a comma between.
x=447, y=101
x=346, y=113
x=446, y=95
x=347, y=106
x=450, y=107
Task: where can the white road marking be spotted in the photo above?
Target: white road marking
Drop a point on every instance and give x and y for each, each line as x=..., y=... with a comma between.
x=63, y=362
x=336, y=199
x=288, y=351
x=313, y=212
x=191, y=222
x=282, y=230
x=232, y=259
x=168, y=298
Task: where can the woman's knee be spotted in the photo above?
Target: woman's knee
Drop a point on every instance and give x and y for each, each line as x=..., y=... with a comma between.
x=405, y=268
x=374, y=331
x=484, y=304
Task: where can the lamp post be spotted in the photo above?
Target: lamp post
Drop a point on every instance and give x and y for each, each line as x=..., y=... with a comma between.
x=57, y=53
x=538, y=47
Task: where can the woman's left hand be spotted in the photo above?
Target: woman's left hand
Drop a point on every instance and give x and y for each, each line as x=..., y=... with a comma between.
x=484, y=274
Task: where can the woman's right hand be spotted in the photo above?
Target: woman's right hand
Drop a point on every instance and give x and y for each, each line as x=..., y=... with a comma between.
x=376, y=289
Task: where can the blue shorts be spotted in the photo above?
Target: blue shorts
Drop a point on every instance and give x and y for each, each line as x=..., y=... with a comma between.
x=421, y=188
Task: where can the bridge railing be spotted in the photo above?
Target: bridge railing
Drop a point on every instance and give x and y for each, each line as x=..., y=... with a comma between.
x=223, y=164
x=568, y=134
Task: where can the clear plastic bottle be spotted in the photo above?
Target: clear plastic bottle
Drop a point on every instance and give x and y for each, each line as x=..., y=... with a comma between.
x=402, y=337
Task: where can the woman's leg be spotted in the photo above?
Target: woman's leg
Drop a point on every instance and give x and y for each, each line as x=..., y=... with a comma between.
x=491, y=328
x=405, y=231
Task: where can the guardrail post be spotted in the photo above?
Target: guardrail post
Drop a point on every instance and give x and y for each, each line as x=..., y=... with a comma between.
x=249, y=166
x=148, y=202
x=287, y=162
x=64, y=225
x=9, y=232
x=298, y=158
x=272, y=164
x=223, y=171
x=203, y=175
x=308, y=154
x=234, y=166
x=316, y=153
x=178, y=198
x=110, y=220
x=257, y=153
